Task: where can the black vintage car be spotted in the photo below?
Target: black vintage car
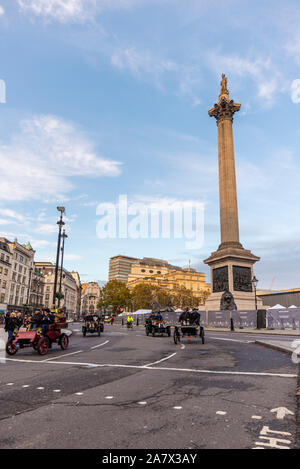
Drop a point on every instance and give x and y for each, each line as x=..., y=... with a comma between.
x=92, y=324
x=188, y=331
x=157, y=326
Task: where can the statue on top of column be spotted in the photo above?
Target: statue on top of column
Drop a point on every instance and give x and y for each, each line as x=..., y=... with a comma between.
x=224, y=89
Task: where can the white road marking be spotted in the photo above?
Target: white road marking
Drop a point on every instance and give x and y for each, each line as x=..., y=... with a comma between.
x=61, y=356
x=272, y=441
x=40, y=388
x=56, y=390
x=148, y=367
x=256, y=417
x=9, y=384
x=142, y=403
x=281, y=412
x=220, y=412
x=178, y=407
x=231, y=340
x=79, y=393
x=162, y=360
x=182, y=346
x=25, y=386
x=100, y=345
x=109, y=397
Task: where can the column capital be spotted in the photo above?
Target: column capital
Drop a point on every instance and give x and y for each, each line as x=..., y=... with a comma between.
x=224, y=109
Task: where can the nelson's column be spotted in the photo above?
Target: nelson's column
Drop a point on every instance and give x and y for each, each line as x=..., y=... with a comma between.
x=231, y=265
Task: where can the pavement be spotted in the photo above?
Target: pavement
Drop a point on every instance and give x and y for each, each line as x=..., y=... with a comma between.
x=246, y=330
x=126, y=390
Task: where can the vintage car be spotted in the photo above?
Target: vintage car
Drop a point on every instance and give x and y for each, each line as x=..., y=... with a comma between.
x=91, y=325
x=188, y=331
x=157, y=326
x=57, y=333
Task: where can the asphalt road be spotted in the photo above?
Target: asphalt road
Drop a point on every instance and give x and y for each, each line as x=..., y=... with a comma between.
x=126, y=390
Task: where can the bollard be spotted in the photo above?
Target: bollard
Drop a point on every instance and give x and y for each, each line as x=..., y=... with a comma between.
x=122, y=321
x=137, y=321
x=231, y=324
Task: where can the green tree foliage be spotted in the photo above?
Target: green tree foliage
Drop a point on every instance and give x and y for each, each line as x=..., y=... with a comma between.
x=184, y=297
x=144, y=294
x=114, y=293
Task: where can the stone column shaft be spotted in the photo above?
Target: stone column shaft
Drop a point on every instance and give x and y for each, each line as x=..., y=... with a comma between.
x=227, y=184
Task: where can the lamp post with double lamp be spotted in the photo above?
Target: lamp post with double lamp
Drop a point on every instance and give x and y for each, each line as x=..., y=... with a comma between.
x=29, y=285
x=60, y=225
x=64, y=236
x=255, y=282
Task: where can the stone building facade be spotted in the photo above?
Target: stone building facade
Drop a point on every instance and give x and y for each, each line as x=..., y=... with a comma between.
x=176, y=279
x=5, y=273
x=68, y=288
x=90, y=298
x=19, y=280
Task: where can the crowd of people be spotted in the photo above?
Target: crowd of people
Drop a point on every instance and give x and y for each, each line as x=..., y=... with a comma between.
x=14, y=320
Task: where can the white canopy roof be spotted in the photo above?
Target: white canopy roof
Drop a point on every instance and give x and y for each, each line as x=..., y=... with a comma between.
x=293, y=306
x=278, y=306
x=143, y=311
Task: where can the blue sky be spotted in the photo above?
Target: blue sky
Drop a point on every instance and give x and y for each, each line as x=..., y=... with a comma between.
x=109, y=97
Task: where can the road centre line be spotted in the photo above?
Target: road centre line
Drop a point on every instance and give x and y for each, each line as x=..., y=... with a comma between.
x=162, y=360
x=100, y=345
x=61, y=356
x=148, y=367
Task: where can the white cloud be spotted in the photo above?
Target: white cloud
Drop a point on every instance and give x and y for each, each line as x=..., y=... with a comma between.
x=151, y=67
x=71, y=11
x=41, y=159
x=60, y=10
x=72, y=257
x=295, y=91
x=5, y=222
x=2, y=11
x=266, y=76
x=46, y=229
x=143, y=63
x=12, y=214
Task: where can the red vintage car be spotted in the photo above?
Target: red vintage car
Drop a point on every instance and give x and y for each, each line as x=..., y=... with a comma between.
x=34, y=338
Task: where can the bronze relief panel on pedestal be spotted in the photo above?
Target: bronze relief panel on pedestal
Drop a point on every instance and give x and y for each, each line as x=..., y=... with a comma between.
x=242, y=278
x=220, y=279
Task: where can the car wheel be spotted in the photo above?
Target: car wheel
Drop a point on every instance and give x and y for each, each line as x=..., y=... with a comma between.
x=11, y=347
x=64, y=342
x=43, y=346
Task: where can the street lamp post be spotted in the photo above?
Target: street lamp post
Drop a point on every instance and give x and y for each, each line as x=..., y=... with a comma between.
x=60, y=224
x=29, y=284
x=64, y=236
x=255, y=281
